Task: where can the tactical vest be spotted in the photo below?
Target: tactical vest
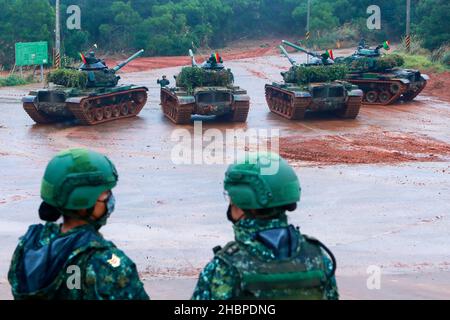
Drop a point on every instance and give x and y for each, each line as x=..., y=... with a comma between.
x=302, y=277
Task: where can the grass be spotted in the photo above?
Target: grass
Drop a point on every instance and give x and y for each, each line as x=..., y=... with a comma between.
x=13, y=80
x=423, y=63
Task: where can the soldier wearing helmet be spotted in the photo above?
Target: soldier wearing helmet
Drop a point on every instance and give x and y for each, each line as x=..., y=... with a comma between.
x=269, y=259
x=73, y=261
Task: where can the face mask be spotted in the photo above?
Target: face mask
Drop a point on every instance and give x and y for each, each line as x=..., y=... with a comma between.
x=230, y=216
x=110, y=206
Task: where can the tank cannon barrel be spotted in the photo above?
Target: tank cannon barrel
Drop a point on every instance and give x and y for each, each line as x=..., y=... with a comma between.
x=292, y=45
x=124, y=63
x=286, y=54
x=191, y=54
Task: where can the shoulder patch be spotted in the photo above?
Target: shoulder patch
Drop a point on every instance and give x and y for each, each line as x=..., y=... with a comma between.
x=232, y=248
x=114, y=261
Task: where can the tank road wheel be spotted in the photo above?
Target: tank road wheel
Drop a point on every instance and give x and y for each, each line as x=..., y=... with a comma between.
x=140, y=98
x=99, y=114
x=371, y=97
x=132, y=107
x=384, y=97
x=395, y=88
x=115, y=111
x=108, y=112
x=124, y=109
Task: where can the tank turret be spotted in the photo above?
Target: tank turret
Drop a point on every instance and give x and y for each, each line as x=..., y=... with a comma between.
x=99, y=75
x=365, y=51
x=317, y=59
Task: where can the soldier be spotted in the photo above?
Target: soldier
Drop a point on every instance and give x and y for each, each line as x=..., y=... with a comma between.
x=269, y=258
x=73, y=261
x=164, y=82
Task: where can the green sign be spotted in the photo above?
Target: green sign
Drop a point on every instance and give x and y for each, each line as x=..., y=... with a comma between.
x=31, y=53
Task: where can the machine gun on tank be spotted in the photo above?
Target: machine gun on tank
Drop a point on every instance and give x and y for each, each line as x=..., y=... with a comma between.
x=319, y=59
x=193, y=62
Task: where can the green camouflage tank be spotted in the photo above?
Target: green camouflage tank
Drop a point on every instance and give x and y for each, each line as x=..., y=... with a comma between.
x=88, y=95
x=381, y=76
x=205, y=90
x=317, y=86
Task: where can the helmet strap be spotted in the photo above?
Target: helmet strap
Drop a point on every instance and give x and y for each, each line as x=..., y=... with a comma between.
x=268, y=214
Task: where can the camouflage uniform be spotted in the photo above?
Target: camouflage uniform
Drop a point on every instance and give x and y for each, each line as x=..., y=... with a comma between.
x=79, y=264
x=220, y=281
x=269, y=258
x=106, y=272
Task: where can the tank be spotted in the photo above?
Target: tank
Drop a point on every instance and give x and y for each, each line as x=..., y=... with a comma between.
x=313, y=87
x=208, y=90
x=381, y=77
x=88, y=95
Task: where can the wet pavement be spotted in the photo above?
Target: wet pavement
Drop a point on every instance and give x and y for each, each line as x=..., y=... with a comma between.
x=169, y=217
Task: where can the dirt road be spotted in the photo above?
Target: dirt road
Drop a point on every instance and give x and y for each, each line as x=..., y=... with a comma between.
x=393, y=215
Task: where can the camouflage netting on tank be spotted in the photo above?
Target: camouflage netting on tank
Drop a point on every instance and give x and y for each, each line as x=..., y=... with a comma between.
x=377, y=64
x=105, y=78
x=307, y=74
x=68, y=78
x=192, y=77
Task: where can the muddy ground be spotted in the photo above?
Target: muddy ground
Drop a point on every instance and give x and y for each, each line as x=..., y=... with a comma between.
x=375, y=189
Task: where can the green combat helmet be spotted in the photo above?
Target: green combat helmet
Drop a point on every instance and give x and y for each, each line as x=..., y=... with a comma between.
x=249, y=187
x=74, y=179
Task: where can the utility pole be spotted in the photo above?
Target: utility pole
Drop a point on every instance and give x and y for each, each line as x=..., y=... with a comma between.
x=308, y=21
x=308, y=26
x=57, y=61
x=408, y=26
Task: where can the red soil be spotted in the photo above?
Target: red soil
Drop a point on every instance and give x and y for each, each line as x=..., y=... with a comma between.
x=438, y=86
x=366, y=148
x=237, y=51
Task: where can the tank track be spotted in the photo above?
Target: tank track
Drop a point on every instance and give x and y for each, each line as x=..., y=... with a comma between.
x=110, y=107
x=38, y=116
x=379, y=92
x=285, y=104
x=175, y=112
x=351, y=109
x=411, y=94
x=240, y=112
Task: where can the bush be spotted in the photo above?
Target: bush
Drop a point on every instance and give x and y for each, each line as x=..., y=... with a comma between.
x=446, y=59
x=373, y=64
x=416, y=47
x=422, y=63
x=12, y=80
x=68, y=78
x=192, y=77
x=307, y=74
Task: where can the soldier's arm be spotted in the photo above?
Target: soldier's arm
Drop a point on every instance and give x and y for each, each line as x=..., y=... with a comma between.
x=331, y=289
x=111, y=275
x=217, y=281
